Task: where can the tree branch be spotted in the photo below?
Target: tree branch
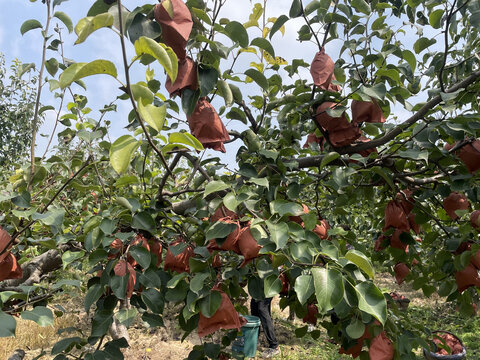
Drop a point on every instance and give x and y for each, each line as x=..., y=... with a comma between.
x=397, y=130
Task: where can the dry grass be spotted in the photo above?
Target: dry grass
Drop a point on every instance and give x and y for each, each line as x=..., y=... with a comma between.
x=29, y=335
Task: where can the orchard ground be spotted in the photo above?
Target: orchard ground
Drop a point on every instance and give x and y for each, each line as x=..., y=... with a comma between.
x=165, y=343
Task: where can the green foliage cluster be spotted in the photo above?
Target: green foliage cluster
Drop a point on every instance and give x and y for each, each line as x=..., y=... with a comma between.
x=17, y=101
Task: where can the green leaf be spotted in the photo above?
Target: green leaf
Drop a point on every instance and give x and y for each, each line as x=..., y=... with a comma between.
x=415, y=154
x=272, y=285
x=141, y=93
x=435, y=18
x=220, y=230
x=281, y=20
x=189, y=100
x=295, y=9
x=362, y=6
x=93, y=294
x=259, y=181
x=311, y=7
x=173, y=282
x=65, y=344
x=8, y=324
x=207, y=79
x=186, y=139
x=40, y=314
x=215, y=186
x=304, y=288
x=141, y=255
x=372, y=301
x=153, y=115
x=196, y=284
x=69, y=256
x=384, y=175
x=423, y=43
x=30, y=25
x=389, y=73
x=78, y=71
x=143, y=221
x=101, y=322
x=154, y=300
x=22, y=200
x=414, y=3
x=127, y=316
x=89, y=24
x=153, y=320
x=53, y=217
x=355, y=329
x=283, y=207
x=263, y=44
x=230, y=201
x=225, y=91
x=52, y=66
x=327, y=159
x=142, y=26
x=164, y=55
x=65, y=19
x=278, y=233
x=329, y=288
x=362, y=262
x=410, y=59
x=121, y=152
x=258, y=77
x=150, y=279
x=377, y=91
x=237, y=33
x=210, y=304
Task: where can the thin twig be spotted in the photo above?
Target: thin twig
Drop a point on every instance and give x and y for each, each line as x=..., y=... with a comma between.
x=39, y=94
x=130, y=95
x=445, y=54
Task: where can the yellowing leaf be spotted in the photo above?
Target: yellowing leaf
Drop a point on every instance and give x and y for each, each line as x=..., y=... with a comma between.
x=80, y=70
x=153, y=115
x=121, y=152
x=165, y=55
x=89, y=24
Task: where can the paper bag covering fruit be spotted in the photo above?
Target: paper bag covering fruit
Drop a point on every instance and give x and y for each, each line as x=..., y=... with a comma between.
x=454, y=202
x=231, y=241
x=226, y=317
x=311, y=317
x=395, y=216
x=123, y=268
x=322, y=71
x=207, y=127
x=179, y=263
x=176, y=23
x=381, y=348
x=186, y=78
x=9, y=267
x=312, y=138
x=367, y=111
x=340, y=131
x=248, y=246
x=469, y=154
x=401, y=272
